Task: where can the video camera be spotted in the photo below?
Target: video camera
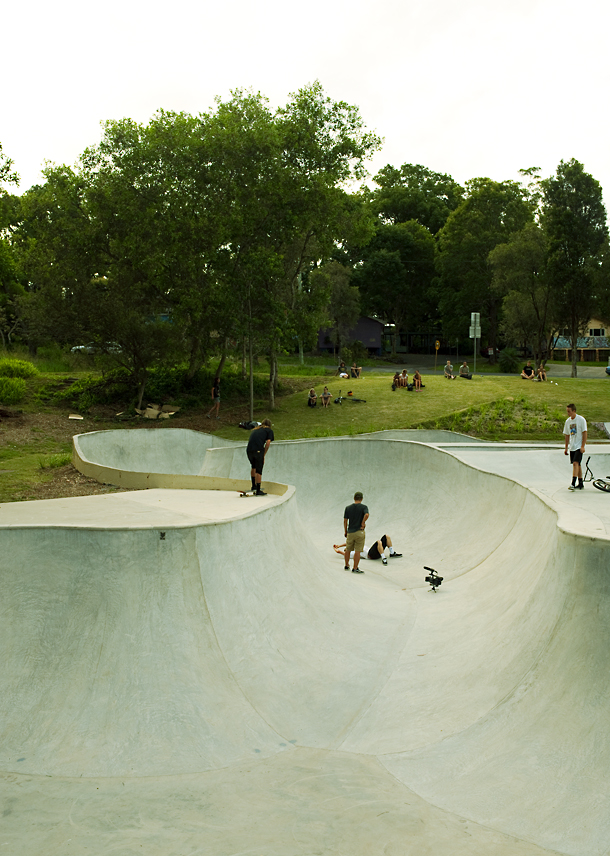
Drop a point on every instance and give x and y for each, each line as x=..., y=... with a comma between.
x=433, y=579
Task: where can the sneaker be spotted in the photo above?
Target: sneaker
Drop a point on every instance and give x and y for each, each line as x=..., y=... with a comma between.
x=572, y=487
x=260, y=493
x=346, y=568
x=357, y=571
x=384, y=560
x=395, y=555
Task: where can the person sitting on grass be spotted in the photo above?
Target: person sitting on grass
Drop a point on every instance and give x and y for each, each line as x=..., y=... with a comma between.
x=342, y=370
x=465, y=371
x=528, y=372
x=376, y=551
x=312, y=398
x=449, y=370
x=540, y=372
x=395, y=381
x=325, y=397
x=417, y=380
x=356, y=370
x=404, y=378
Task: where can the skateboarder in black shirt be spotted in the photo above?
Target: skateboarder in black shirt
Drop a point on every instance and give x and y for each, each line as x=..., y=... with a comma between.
x=258, y=445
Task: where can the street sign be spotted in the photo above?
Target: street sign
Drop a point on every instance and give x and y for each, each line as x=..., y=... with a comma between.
x=437, y=344
x=475, y=333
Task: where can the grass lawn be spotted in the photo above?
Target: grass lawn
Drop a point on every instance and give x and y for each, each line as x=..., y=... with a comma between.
x=34, y=447
x=441, y=404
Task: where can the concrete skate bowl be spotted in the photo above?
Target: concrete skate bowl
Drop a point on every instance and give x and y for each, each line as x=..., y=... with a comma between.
x=360, y=714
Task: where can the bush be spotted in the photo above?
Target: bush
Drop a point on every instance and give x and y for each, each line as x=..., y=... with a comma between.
x=509, y=361
x=17, y=368
x=12, y=390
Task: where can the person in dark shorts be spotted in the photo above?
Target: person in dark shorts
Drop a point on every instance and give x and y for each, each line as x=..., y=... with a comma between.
x=376, y=551
x=575, y=432
x=528, y=372
x=215, y=391
x=258, y=446
x=354, y=522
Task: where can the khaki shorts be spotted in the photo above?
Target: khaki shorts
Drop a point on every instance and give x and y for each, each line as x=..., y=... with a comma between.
x=355, y=541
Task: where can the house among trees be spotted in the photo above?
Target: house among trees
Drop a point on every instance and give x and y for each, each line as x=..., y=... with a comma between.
x=369, y=331
x=592, y=348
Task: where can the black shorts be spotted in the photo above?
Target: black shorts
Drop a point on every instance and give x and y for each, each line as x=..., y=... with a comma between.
x=374, y=551
x=257, y=459
x=576, y=457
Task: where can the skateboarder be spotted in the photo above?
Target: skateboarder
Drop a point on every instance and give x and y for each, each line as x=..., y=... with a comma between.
x=376, y=551
x=258, y=446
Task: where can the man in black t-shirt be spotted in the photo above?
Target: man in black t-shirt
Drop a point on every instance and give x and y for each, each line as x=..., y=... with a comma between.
x=258, y=445
x=354, y=522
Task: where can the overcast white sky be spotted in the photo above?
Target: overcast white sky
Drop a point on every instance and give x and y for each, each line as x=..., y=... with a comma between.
x=470, y=88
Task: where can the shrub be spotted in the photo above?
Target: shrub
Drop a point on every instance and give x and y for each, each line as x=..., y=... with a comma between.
x=17, y=368
x=509, y=361
x=12, y=390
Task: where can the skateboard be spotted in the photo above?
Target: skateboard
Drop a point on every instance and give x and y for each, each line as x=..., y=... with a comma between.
x=247, y=493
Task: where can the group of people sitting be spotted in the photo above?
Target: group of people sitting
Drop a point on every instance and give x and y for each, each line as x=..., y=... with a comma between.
x=312, y=398
x=401, y=381
x=464, y=371
x=355, y=370
x=529, y=373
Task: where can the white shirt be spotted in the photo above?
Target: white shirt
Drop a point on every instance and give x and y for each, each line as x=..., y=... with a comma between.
x=574, y=429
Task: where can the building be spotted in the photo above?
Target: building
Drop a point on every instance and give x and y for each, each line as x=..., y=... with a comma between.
x=594, y=347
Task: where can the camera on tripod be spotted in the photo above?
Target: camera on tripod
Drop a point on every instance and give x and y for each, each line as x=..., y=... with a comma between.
x=433, y=578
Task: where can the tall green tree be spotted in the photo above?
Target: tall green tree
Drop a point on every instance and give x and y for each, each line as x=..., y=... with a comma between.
x=520, y=276
x=396, y=274
x=574, y=220
x=414, y=192
x=490, y=214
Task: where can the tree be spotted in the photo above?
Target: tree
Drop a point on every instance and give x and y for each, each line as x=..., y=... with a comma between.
x=414, y=192
x=396, y=273
x=344, y=305
x=574, y=220
x=490, y=214
x=520, y=276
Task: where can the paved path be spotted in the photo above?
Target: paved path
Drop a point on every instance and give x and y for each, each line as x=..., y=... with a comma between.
x=191, y=672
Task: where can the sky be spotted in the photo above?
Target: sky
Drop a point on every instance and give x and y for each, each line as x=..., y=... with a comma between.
x=470, y=88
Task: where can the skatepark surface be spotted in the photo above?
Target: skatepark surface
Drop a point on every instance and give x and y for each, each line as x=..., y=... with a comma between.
x=186, y=671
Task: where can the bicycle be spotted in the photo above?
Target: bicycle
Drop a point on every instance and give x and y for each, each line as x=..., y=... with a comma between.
x=600, y=484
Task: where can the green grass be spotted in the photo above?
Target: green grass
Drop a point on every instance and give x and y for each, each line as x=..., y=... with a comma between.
x=22, y=466
x=522, y=411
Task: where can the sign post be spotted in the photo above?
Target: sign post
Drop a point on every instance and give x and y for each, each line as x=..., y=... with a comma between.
x=475, y=333
x=437, y=345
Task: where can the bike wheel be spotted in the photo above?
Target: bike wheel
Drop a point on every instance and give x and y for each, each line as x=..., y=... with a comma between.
x=600, y=484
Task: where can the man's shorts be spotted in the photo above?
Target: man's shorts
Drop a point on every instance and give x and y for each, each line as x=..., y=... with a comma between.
x=576, y=457
x=355, y=541
x=374, y=551
x=257, y=459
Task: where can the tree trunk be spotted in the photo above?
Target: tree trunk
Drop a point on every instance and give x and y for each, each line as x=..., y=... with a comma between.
x=223, y=358
x=243, y=360
x=574, y=337
x=272, y=369
x=141, y=392
x=301, y=361
x=251, y=382
x=195, y=361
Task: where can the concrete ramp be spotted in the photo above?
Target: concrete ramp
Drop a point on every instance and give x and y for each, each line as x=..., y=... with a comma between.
x=210, y=653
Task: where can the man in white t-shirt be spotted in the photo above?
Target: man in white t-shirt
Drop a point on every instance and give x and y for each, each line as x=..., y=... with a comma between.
x=575, y=432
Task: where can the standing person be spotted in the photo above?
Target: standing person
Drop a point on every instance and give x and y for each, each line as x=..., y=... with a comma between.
x=215, y=392
x=575, y=431
x=258, y=446
x=354, y=522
